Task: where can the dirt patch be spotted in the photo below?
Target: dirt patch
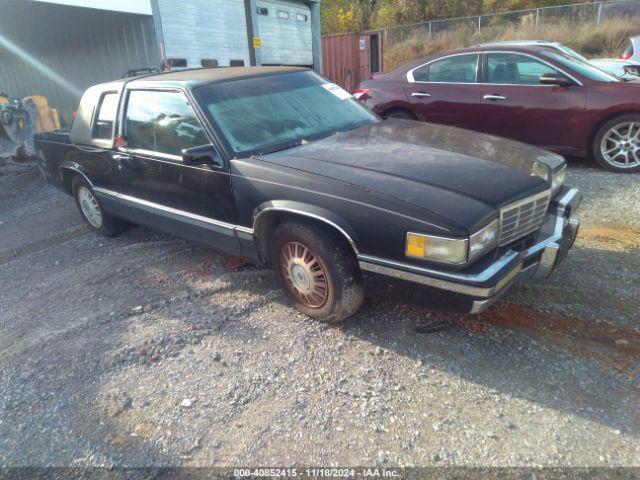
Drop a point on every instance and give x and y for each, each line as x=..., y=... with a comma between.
x=232, y=263
x=615, y=346
x=610, y=237
x=44, y=243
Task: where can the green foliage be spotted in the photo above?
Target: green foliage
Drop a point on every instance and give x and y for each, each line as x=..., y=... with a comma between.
x=342, y=16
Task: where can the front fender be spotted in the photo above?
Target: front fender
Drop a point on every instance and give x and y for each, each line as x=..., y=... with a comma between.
x=262, y=214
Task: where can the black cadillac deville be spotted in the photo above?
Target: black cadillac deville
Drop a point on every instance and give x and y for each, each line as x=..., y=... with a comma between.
x=281, y=166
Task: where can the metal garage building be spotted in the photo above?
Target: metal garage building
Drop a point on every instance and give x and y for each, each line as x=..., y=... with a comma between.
x=219, y=32
x=57, y=48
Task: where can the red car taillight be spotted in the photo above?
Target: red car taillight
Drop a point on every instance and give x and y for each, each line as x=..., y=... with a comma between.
x=628, y=52
x=359, y=93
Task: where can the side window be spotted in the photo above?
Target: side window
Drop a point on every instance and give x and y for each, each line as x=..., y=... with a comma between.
x=421, y=74
x=515, y=69
x=106, y=116
x=456, y=69
x=162, y=122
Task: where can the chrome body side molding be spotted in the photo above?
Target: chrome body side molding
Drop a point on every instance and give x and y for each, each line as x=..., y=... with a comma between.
x=217, y=225
x=304, y=213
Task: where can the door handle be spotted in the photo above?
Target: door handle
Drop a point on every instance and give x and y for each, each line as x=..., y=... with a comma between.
x=420, y=94
x=120, y=159
x=495, y=97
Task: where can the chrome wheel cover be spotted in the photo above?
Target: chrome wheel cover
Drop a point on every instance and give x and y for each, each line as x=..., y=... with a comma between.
x=304, y=275
x=620, y=146
x=90, y=207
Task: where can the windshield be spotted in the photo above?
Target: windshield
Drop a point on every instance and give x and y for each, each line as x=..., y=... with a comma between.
x=583, y=68
x=571, y=53
x=274, y=112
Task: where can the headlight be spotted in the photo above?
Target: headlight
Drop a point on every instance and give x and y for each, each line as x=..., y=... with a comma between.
x=438, y=249
x=558, y=179
x=483, y=240
x=454, y=251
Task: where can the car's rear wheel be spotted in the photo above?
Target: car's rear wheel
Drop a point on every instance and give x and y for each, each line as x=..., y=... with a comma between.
x=318, y=270
x=616, y=146
x=92, y=211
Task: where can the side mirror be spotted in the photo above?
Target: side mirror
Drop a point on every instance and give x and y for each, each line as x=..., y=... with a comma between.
x=203, y=155
x=553, y=78
x=632, y=70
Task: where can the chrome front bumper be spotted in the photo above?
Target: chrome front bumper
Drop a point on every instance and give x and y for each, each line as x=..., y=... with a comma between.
x=486, y=286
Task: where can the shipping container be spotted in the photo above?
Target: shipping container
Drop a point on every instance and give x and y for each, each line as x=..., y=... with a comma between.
x=351, y=58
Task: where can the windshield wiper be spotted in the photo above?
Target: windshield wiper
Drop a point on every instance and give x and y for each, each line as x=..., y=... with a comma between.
x=284, y=146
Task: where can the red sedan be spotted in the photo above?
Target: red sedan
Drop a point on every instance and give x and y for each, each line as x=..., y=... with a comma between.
x=533, y=94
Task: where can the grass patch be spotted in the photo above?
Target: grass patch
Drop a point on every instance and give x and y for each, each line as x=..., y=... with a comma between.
x=594, y=41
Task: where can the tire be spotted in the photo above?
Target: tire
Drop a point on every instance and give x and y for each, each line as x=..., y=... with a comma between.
x=318, y=271
x=619, y=152
x=402, y=114
x=91, y=210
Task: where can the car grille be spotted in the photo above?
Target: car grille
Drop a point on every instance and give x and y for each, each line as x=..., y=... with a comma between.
x=523, y=217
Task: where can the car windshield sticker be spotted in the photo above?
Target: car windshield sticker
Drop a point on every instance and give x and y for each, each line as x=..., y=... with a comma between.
x=337, y=90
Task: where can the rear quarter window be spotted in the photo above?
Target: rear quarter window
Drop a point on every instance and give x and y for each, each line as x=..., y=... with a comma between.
x=105, y=116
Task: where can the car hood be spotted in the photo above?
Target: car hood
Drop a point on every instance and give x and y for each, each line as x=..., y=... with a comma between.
x=454, y=173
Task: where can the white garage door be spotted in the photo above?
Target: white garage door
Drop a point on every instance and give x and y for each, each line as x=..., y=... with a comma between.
x=285, y=29
x=213, y=31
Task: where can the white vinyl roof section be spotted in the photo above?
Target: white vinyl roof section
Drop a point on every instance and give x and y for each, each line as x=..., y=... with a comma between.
x=140, y=7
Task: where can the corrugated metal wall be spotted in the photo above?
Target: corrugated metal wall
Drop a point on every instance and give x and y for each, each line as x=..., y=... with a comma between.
x=204, y=29
x=341, y=59
x=347, y=58
x=70, y=48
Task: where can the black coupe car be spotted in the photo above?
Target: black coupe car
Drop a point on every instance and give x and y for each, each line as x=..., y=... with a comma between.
x=279, y=165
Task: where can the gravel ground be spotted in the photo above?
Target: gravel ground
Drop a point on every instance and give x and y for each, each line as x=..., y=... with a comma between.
x=147, y=350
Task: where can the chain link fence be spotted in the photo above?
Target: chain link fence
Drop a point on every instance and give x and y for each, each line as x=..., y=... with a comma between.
x=530, y=20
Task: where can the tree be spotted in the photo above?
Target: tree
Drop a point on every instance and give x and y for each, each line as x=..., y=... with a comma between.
x=341, y=16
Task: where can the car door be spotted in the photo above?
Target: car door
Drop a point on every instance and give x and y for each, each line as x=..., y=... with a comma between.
x=193, y=200
x=516, y=105
x=447, y=90
x=93, y=157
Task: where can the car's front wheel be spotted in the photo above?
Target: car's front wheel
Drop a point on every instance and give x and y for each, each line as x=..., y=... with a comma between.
x=616, y=146
x=318, y=271
x=399, y=113
x=92, y=211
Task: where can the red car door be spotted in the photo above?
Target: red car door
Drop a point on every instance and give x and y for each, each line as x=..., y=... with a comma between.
x=516, y=105
x=447, y=90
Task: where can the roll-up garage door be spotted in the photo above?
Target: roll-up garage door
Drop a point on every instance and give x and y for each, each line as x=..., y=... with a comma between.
x=204, y=32
x=285, y=29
